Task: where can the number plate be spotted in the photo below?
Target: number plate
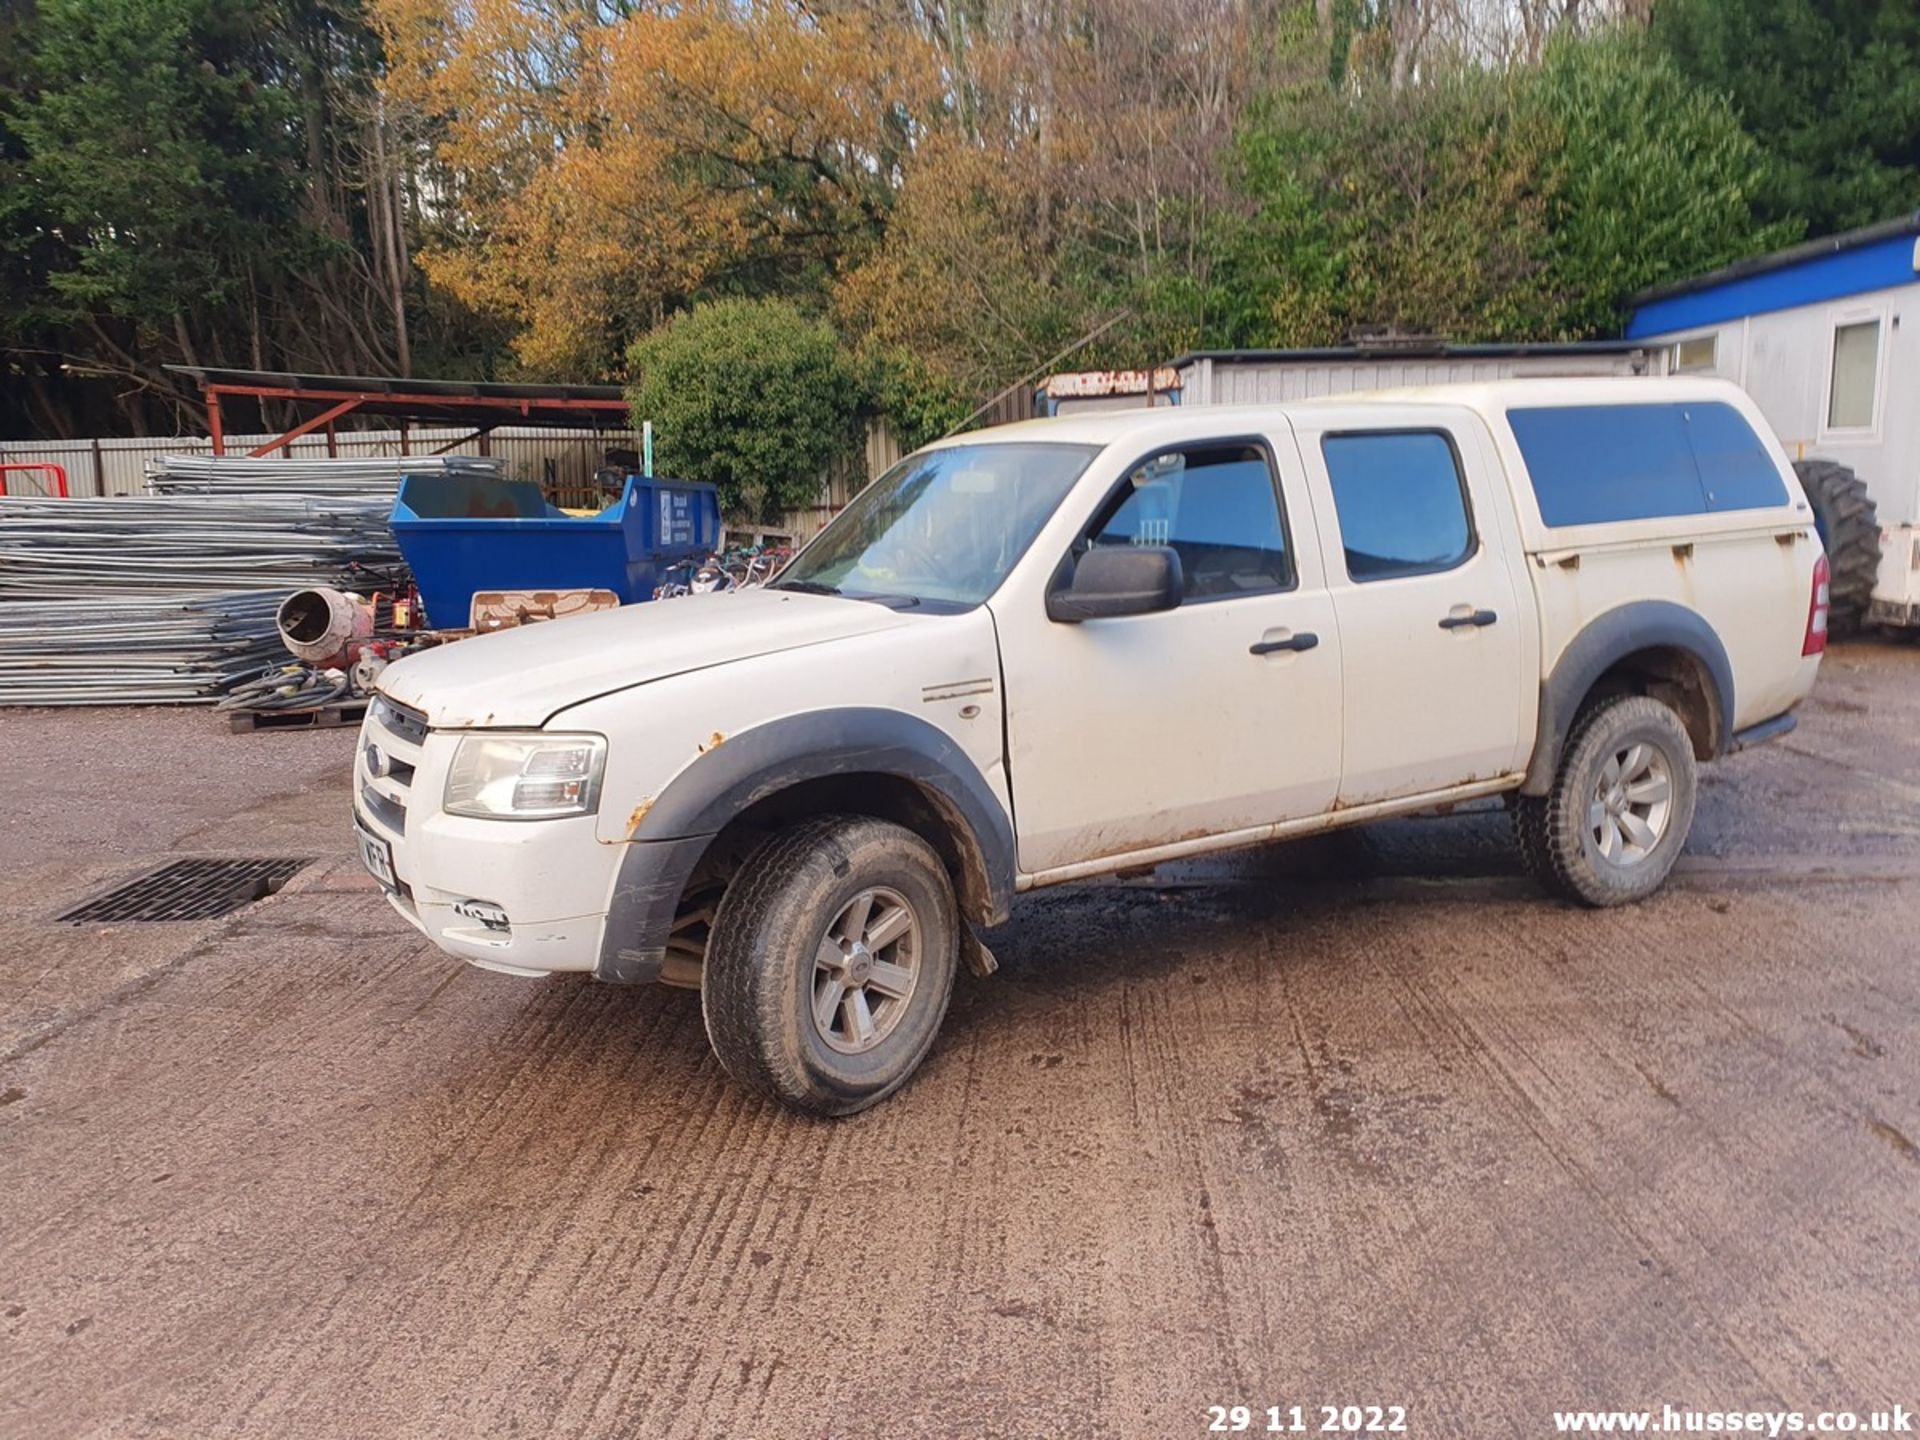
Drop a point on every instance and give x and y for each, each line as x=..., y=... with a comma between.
x=377, y=855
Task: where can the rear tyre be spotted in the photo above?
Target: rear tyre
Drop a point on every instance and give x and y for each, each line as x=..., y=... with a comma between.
x=1617, y=817
x=1850, y=529
x=830, y=963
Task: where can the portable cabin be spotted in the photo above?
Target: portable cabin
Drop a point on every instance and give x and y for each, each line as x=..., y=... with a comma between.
x=1818, y=335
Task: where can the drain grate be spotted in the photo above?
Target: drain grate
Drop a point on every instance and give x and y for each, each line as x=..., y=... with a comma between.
x=189, y=890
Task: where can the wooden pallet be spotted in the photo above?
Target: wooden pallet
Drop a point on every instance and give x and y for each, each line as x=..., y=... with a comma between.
x=324, y=717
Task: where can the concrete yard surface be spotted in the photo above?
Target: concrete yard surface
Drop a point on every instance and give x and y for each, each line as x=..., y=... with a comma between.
x=1362, y=1121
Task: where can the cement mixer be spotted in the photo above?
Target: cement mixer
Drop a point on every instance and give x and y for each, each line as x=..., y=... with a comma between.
x=330, y=634
x=326, y=627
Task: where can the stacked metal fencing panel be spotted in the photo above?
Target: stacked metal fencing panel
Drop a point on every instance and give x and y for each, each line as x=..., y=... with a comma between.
x=171, y=597
x=362, y=478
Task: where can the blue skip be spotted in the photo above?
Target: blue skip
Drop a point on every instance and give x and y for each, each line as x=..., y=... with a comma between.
x=462, y=535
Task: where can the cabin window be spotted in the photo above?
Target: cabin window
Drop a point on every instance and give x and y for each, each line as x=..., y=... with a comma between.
x=1697, y=355
x=1856, y=376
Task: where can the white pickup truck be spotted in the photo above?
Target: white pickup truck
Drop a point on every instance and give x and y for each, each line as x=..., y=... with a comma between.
x=1060, y=649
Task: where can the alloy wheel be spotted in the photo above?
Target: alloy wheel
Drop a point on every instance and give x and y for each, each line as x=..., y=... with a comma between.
x=865, y=970
x=1632, y=804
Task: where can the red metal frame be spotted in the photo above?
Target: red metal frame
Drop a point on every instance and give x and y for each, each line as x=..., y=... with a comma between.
x=305, y=427
x=58, y=472
x=452, y=445
x=345, y=401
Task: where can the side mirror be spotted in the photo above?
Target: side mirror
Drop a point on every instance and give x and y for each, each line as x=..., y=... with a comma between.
x=1113, y=580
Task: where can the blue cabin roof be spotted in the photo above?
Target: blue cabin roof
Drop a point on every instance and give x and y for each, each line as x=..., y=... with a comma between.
x=1856, y=263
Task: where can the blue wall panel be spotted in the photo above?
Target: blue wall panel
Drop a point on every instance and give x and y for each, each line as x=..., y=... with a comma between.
x=1879, y=266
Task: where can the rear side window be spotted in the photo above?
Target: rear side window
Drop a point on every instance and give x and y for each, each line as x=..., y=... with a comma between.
x=1736, y=473
x=1594, y=463
x=1401, y=502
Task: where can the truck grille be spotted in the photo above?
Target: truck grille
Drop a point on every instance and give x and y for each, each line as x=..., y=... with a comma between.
x=389, y=755
x=390, y=813
x=409, y=724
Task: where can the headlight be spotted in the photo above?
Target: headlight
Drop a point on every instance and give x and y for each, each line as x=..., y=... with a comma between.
x=525, y=777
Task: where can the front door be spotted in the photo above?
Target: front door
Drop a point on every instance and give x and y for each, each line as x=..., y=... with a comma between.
x=1423, y=587
x=1219, y=716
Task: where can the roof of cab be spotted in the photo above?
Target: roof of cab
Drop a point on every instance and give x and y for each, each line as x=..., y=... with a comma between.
x=1489, y=398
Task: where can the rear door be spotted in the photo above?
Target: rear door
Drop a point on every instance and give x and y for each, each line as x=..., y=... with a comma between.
x=1413, y=520
x=1219, y=716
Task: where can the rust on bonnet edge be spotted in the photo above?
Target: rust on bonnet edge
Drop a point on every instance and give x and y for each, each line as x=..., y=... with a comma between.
x=639, y=814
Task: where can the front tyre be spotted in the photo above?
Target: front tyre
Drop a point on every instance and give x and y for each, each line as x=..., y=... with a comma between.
x=831, y=962
x=1617, y=817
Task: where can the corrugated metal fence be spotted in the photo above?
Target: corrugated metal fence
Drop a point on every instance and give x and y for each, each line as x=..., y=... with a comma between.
x=562, y=461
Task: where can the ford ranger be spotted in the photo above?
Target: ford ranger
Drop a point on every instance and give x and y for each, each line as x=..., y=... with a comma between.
x=1060, y=649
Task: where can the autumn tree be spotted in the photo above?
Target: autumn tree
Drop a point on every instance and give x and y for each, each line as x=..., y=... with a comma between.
x=617, y=167
x=1080, y=181
x=964, y=189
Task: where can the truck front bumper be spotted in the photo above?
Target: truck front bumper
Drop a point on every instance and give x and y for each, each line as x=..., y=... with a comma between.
x=533, y=949
x=522, y=897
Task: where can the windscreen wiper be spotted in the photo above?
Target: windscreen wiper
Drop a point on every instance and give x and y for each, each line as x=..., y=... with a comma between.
x=814, y=587
x=892, y=602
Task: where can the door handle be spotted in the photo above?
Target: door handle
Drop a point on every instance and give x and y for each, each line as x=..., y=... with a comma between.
x=1305, y=640
x=1476, y=620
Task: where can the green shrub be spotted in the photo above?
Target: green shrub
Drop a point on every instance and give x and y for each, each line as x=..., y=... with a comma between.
x=1523, y=204
x=1830, y=89
x=920, y=405
x=750, y=395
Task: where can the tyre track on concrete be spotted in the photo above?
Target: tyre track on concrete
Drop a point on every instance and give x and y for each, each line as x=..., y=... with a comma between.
x=584, y=1196
x=958, y=1231
x=1171, y=1244
x=1533, y=1097
x=704, y=1260
x=701, y=1240
x=1409, y=1058
x=548, y=1248
x=331, y=1183
x=380, y=1252
x=1683, y=1246
x=781, y=1244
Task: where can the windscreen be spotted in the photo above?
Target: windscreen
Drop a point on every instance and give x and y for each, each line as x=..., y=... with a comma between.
x=942, y=527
